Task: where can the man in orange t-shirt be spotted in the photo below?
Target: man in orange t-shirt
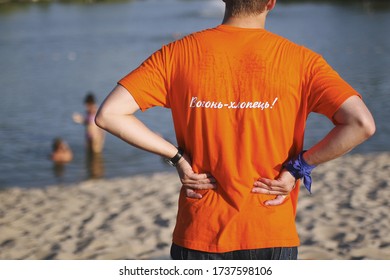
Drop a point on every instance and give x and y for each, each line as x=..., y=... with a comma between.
x=240, y=97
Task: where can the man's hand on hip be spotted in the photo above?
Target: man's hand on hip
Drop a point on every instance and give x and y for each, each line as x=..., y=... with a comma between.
x=280, y=187
x=192, y=181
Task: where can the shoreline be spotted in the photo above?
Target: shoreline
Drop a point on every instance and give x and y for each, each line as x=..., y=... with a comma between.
x=346, y=217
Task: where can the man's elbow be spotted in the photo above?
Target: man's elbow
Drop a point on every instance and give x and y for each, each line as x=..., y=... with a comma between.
x=367, y=126
x=101, y=119
x=370, y=129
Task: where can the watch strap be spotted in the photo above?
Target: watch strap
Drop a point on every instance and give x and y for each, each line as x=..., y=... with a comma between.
x=173, y=161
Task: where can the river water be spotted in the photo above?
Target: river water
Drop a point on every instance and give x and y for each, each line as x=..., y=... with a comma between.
x=52, y=54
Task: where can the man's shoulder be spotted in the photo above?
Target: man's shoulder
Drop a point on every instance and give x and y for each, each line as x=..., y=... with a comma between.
x=186, y=40
x=199, y=34
x=280, y=39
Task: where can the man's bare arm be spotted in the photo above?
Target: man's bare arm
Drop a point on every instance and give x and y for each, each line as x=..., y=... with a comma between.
x=353, y=125
x=116, y=115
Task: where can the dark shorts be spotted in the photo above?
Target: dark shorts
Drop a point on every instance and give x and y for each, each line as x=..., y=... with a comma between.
x=277, y=253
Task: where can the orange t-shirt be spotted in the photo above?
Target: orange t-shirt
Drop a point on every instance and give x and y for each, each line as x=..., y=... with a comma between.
x=239, y=99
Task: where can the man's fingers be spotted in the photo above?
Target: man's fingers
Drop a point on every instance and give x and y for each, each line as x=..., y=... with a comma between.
x=199, y=181
x=275, y=186
x=265, y=181
x=269, y=191
x=192, y=194
x=204, y=177
x=269, y=183
x=273, y=189
x=277, y=201
x=197, y=186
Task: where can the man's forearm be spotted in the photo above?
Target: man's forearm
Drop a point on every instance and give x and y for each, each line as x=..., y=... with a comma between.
x=354, y=125
x=116, y=115
x=133, y=131
x=340, y=140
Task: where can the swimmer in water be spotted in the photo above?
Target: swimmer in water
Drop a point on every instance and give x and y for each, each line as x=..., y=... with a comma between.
x=93, y=134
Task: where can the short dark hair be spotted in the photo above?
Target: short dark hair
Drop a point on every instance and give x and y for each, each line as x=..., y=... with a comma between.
x=245, y=7
x=90, y=98
x=56, y=143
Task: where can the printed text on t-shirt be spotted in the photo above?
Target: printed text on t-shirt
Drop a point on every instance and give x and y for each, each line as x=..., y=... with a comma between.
x=262, y=105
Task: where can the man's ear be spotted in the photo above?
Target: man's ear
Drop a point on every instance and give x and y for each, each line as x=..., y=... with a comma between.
x=270, y=5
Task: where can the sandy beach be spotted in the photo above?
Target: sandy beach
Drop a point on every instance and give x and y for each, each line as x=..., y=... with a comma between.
x=346, y=217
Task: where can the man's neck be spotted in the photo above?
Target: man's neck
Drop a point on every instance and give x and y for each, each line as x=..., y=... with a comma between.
x=253, y=21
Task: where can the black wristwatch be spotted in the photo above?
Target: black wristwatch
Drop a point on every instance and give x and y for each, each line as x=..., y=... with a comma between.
x=173, y=161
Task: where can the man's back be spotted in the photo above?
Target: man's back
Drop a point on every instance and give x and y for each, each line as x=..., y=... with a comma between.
x=239, y=98
x=233, y=130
